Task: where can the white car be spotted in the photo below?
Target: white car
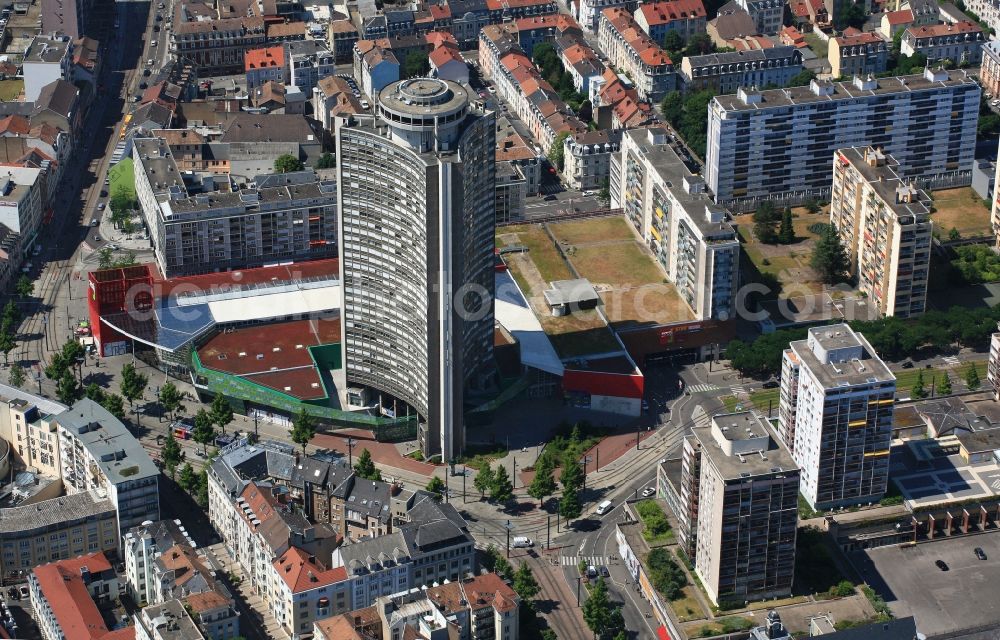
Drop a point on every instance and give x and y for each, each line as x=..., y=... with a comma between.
x=648, y=491
x=587, y=194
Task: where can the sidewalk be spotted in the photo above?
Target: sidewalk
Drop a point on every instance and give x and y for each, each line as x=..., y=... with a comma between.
x=244, y=592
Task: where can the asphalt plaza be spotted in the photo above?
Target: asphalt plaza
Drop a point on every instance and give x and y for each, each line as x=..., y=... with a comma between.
x=964, y=597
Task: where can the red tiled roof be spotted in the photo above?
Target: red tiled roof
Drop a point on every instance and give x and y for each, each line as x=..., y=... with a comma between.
x=659, y=13
x=62, y=585
x=260, y=275
x=932, y=30
x=903, y=16
x=301, y=572
x=440, y=11
x=866, y=37
x=490, y=589
x=206, y=601
x=649, y=52
x=286, y=29
x=443, y=55
x=15, y=125
x=264, y=58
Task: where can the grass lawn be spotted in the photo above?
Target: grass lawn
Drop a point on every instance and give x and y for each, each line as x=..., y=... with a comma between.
x=730, y=403
x=122, y=177
x=727, y=624
x=593, y=230
x=760, y=398
x=542, y=252
x=616, y=265
x=961, y=209
x=788, y=265
x=654, y=303
x=10, y=89
x=688, y=608
x=906, y=378
x=819, y=46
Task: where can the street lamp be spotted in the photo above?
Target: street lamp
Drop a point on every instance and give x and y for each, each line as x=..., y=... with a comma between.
x=350, y=450
x=508, y=526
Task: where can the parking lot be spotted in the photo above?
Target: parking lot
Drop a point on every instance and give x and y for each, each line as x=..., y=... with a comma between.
x=963, y=597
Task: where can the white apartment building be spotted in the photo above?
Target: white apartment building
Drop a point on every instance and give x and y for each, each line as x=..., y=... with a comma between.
x=307, y=68
x=961, y=43
x=97, y=451
x=745, y=508
x=165, y=621
x=374, y=567
x=141, y=546
x=589, y=11
x=632, y=52
x=587, y=158
x=23, y=199
x=64, y=596
x=989, y=69
x=993, y=366
x=844, y=397
x=280, y=217
x=766, y=14
x=675, y=217
x=47, y=59
x=986, y=10
x=304, y=591
x=776, y=145
x=884, y=224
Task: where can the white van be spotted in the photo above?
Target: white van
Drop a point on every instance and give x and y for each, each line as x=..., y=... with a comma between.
x=604, y=507
x=522, y=542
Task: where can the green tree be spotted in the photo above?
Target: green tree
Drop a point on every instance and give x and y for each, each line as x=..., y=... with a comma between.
x=829, y=258
x=597, y=609
x=105, y=258
x=802, y=78
x=786, y=232
x=944, y=387
x=918, y=391
x=326, y=161
x=543, y=484
x=303, y=429
x=114, y=404
x=673, y=107
x=204, y=429
x=67, y=388
x=56, y=366
x=848, y=14
x=365, y=466
x=586, y=112
x=483, y=480
x=556, y=151
x=764, y=220
x=549, y=634
x=673, y=43
x=16, y=377
x=953, y=234
x=416, y=65
x=569, y=504
x=525, y=584
x=435, y=486
x=187, y=479
x=287, y=163
x=170, y=399
x=699, y=44
x=93, y=392
x=7, y=344
x=24, y=287
x=11, y=314
x=604, y=195
x=121, y=203
x=201, y=495
x=501, y=489
x=132, y=384
x=571, y=474
x=171, y=454
x=621, y=636
x=812, y=205
x=501, y=566
x=972, y=377
x=222, y=413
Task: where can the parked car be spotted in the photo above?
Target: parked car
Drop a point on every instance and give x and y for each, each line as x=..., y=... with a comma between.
x=591, y=572
x=95, y=221
x=980, y=553
x=550, y=197
x=605, y=572
x=104, y=193
x=97, y=238
x=941, y=564
x=587, y=194
x=908, y=364
x=770, y=384
x=100, y=206
x=648, y=491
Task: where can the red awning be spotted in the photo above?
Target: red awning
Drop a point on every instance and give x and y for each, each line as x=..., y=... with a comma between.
x=662, y=634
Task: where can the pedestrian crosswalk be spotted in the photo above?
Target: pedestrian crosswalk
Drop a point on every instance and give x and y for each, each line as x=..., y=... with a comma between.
x=738, y=390
x=590, y=561
x=951, y=360
x=701, y=388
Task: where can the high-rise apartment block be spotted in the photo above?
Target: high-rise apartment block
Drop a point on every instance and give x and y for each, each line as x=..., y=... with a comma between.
x=884, y=225
x=835, y=415
x=417, y=203
x=687, y=233
x=741, y=508
x=776, y=145
x=194, y=229
x=993, y=365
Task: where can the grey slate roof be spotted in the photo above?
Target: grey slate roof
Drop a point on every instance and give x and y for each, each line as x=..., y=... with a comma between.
x=57, y=511
x=58, y=96
x=363, y=555
x=119, y=454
